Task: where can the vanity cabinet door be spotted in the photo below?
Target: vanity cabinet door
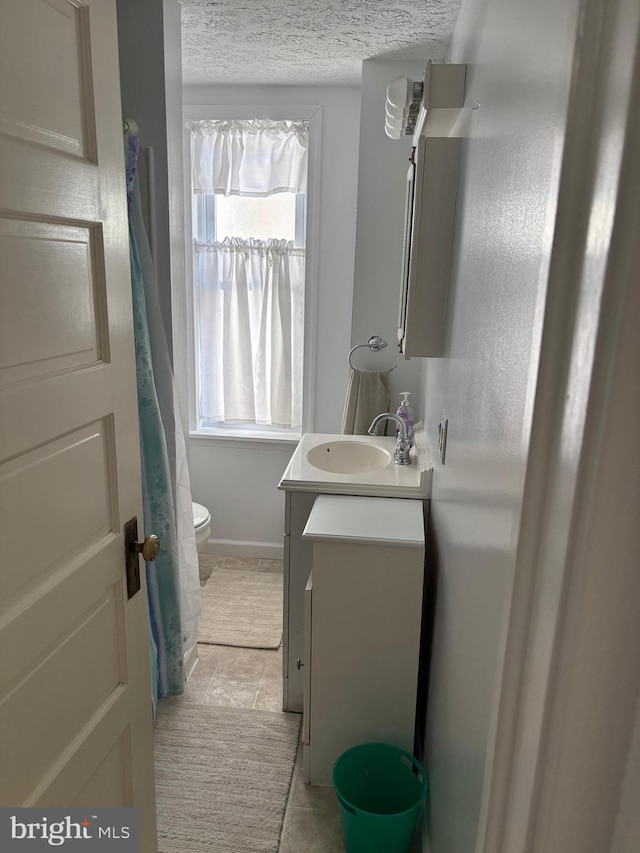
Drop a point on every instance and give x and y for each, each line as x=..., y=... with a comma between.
x=297, y=568
x=306, y=719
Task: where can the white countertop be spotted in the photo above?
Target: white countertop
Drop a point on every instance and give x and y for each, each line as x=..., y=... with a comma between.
x=374, y=521
x=393, y=481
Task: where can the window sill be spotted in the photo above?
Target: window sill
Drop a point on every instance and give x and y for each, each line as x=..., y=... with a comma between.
x=235, y=438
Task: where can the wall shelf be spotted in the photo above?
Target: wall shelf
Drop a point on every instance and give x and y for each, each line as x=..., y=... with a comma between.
x=443, y=93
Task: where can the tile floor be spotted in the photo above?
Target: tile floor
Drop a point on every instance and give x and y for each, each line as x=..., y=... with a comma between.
x=252, y=678
x=311, y=819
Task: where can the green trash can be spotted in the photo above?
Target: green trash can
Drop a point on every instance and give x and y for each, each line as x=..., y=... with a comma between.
x=380, y=789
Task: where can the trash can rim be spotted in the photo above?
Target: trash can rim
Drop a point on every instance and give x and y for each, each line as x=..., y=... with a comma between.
x=400, y=751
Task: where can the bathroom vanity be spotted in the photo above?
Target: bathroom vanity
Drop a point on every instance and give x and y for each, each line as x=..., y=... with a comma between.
x=322, y=464
x=363, y=610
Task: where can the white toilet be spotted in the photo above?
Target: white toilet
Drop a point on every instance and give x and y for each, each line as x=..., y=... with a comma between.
x=201, y=524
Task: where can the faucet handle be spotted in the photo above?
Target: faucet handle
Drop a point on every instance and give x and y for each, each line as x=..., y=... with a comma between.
x=402, y=452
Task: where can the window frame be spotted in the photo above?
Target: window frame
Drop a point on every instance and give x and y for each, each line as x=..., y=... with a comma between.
x=230, y=434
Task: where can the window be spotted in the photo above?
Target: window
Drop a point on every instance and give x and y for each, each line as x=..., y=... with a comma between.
x=249, y=195
x=282, y=215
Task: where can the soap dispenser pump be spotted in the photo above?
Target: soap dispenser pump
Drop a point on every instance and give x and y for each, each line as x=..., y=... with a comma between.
x=406, y=413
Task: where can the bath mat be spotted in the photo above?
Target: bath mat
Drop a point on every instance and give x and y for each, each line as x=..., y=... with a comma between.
x=242, y=609
x=222, y=777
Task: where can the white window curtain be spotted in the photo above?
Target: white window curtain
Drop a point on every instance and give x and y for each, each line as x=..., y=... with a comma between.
x=249, y=157
x=250, y=305
x=250, y=293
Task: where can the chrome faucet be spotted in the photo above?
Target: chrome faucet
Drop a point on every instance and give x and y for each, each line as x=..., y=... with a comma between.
x=403, y=445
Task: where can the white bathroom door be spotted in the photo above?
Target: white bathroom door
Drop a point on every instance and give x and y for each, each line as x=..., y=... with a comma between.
x=75, y=702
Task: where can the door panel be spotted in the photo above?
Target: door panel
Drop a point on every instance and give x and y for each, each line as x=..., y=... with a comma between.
x=39, y=702
x=107, y=784
x=69, y=590
x=53, y=105
x=51, y=331
x=76, y=520
x=75, y=696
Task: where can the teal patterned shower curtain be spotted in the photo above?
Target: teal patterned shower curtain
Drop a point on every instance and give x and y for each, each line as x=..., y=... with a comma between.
x=163, y=576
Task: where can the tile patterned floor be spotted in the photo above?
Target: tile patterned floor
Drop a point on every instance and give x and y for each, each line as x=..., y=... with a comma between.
x=252, y=678
x=312, y=819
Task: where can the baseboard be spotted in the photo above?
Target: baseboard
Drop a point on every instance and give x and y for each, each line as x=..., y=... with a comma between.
x=239, y=548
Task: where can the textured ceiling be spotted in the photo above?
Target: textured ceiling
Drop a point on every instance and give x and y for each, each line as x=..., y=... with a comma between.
x=307, y=42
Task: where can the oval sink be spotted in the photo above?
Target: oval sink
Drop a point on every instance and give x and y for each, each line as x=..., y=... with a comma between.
x=348, y=457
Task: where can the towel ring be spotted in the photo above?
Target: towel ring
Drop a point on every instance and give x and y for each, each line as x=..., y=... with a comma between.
x=130, y=126
x=375, y=344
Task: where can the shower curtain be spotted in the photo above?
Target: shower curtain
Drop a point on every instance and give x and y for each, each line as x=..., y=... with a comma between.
x=172, y=581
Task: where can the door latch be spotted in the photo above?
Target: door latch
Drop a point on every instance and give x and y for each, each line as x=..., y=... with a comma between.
x=149, y=549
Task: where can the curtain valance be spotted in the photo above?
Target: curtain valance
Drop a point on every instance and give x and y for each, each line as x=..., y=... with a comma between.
x=252, y=157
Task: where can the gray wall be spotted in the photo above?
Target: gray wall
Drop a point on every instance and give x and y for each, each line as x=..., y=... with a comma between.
x=175, y=173
x=150, y=76
x=519, y=58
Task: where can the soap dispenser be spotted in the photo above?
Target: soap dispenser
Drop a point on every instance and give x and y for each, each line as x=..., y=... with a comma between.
x=406, y=413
